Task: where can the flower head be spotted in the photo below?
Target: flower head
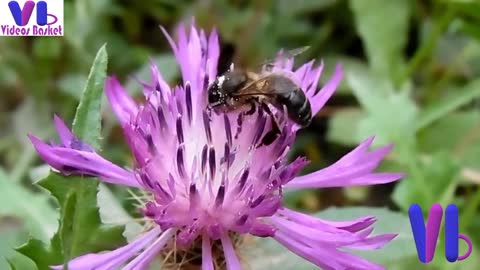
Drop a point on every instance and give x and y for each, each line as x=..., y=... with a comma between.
x=211, y=176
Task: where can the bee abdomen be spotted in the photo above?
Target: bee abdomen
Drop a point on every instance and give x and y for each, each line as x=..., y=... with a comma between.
x=298, y=106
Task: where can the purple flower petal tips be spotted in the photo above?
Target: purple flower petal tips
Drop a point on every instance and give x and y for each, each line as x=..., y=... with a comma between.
x=210, y=178
x=78, y=158
x=121, y=103
x=354, y=169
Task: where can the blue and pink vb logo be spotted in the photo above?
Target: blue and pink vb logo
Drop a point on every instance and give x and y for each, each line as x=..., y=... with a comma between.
x=426, y=237
x=16, y=18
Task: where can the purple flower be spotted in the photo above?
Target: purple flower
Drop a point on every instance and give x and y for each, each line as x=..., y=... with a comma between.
x=209, y=177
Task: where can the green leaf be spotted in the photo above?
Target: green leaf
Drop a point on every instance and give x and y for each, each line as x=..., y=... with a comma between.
x=343, y=126
x=33, y=209
x=440, y=172
x=383, y=27
x=112, y=213
x=457, y=133
x=71, y=84
x=268, y=254
x=87, y=124
x=447, y=132
x=456, y=99
x=369, y=89
x=43, y=255
x=80, y=230
x=392, y=121
x=30, y=117
x=9, y=238
x=391, y=114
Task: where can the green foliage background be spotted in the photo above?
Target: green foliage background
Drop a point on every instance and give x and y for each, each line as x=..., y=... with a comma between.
x=411, y=78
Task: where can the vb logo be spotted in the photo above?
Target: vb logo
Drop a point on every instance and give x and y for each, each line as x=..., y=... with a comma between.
x=426, y=237
x=22, y=16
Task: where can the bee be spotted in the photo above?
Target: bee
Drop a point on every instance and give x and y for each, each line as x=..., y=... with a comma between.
x=239, y=88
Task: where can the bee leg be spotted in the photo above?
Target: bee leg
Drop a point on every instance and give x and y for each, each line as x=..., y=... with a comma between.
x=209, y=110
x=252, y=109
x=241, y=115
x=269, y=67
x=273, y=134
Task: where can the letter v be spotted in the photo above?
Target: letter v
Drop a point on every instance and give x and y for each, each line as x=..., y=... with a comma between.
x=21, y=16
x=425, y=238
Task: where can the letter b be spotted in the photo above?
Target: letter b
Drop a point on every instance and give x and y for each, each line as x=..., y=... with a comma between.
x=452, y=236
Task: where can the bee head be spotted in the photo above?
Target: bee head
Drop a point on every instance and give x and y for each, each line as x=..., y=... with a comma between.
x=232, y=82
x=215, y=94
x=224, y=87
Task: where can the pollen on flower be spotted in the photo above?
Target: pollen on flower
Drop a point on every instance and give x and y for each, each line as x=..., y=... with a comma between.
x=211, y=179
x=174, y=258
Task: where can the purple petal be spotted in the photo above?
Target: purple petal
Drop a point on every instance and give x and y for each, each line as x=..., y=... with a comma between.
x=318, y=233
x=144, y=259
x=324, y=256
x=71, y=161
x=354, y=169
x=313, y=238
x=67, y=138
x=375, y=242
x=317, y=257
x=213, y=54
x=230, y=256
x=307, y=220
x=113, y=259
x=314, y=78
x=327, y=91
x=353, y=225
x=207, y=259
x=121, y=103
x=158, y=80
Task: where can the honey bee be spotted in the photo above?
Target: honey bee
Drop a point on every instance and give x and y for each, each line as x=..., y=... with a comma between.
x=238, y=88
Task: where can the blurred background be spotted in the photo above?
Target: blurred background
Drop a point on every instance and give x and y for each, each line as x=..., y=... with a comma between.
x=411, y=78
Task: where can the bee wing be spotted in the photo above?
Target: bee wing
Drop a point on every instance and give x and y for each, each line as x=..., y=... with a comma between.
x=251, y=89
x=283, y=56
x=294, y=52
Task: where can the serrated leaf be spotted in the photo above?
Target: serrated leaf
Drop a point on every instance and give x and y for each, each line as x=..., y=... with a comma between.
x=80, y=230
x=87, y=124
x=383, y=27
x=391, y=114
x=11, y=235
x=446, y=105
x=43, y=255
x=34, y=209
x=268, y=254
x=369, y=89
x=112, y=212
